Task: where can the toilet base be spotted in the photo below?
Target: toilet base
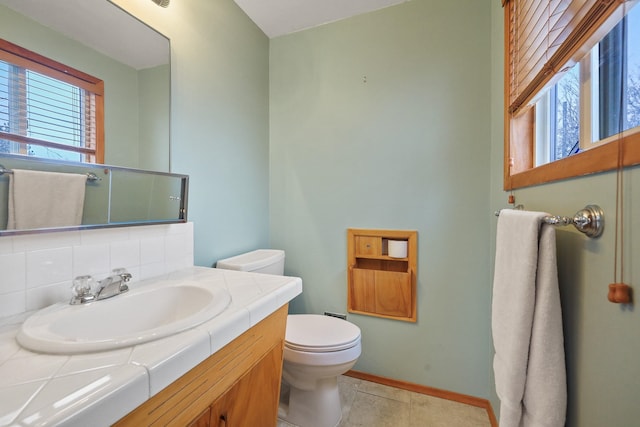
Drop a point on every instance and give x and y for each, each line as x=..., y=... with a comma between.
x=319, y=407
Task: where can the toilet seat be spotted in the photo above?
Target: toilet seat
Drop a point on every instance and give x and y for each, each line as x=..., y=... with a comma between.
x=314, y=333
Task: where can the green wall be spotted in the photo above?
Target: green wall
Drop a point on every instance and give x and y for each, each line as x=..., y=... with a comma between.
x=418, y=146
x=154, y=118
x=602, y=340
x=219, y=120
x=382, y=121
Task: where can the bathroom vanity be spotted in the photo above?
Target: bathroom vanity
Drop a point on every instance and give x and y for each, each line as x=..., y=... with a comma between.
x=223, y=372
x=237, y=386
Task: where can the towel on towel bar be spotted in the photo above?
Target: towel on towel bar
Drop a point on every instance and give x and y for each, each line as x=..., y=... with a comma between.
x=526, y=322
x=45, y=199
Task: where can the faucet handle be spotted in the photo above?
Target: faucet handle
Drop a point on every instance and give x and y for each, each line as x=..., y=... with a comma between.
x=125, y=276
x=81, y=289
x=123, y=273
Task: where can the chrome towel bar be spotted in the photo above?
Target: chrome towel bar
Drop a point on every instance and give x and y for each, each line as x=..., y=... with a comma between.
x=589, y=220
x=90, y=175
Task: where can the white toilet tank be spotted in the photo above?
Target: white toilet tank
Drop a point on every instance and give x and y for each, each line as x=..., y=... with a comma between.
x=268, y=261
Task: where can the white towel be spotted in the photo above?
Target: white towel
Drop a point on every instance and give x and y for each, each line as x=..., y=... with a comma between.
x=529, y=363
x=45, y=199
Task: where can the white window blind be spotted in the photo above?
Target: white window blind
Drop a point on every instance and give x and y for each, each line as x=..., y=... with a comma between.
x=544, y=36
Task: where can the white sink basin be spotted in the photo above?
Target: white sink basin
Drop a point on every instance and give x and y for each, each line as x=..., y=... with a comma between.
x=140, y=315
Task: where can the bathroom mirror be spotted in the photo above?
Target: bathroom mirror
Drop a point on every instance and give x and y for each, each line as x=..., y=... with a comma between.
x=114, y=197
x=99, y=38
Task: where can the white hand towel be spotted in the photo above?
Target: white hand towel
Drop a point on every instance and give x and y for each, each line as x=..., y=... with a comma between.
x=526, y=322
x=45, y=199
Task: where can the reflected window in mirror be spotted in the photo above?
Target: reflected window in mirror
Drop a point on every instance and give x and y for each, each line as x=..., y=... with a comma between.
x=572, y=91
x=47, y=109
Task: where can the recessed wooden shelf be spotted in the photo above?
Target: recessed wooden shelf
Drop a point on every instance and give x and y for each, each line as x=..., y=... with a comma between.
x=379, y=284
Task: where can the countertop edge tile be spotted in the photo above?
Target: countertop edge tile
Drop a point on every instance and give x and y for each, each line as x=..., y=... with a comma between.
x=262, y=307
x=227, y=327
x=170, y=358
x=290, y=291
x=127, y=397
x=124, y=387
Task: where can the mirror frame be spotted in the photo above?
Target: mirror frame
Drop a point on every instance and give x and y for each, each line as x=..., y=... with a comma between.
x=157, y=162
x=92, y=167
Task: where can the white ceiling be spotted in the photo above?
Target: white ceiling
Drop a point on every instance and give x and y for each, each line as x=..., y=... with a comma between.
x=279, y=17
x=274, y=17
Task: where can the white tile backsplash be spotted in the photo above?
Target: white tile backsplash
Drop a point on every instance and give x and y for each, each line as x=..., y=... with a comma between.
x=6, y=246
x=151, y=250
x=125, y=253
x=43, y=296
x=38, y=269
x=34, y=242
x=152, y=270
x=91, y=259
x=13, y=303
x=104, y=236
x=14, y=272
x=49, y=266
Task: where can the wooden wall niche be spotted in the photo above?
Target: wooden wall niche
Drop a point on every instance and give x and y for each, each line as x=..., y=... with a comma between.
x=378, y=284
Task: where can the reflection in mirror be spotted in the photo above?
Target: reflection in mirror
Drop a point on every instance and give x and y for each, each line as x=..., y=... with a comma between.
x=145, y=197
x=100, y=39
x=118, y=196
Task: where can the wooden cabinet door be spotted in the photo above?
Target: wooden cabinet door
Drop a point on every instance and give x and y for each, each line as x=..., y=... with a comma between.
x=393, y=293
x=241, y=381
x=252, y=401
x=362, y=290
x=387, y=293
x=202, y=420
x=368, y=245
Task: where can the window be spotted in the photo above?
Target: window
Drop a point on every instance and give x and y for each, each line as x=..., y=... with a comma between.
x=572, y=86
x=581, y=117
x=48, y=110
x=557, y=133
x=619, y=77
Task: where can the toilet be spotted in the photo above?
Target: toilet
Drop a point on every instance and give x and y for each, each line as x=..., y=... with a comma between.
x=268, y=261
x=317, y=349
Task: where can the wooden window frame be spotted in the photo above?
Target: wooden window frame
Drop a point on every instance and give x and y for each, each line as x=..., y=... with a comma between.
x=519, y=170
x=33, y=61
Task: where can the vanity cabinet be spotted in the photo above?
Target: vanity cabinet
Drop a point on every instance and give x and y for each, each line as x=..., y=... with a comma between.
x=380, y=282
x=253, y=400
x=237, y=386
x=203, y=420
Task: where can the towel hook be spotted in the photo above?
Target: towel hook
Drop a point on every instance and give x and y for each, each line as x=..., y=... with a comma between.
x=91, y=177
x=589, y=220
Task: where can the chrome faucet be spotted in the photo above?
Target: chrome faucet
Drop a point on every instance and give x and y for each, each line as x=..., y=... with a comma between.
x=114, y=284
x=106, y=288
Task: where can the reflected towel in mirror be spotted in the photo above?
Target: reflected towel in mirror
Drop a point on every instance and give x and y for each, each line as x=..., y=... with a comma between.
x=45, y=199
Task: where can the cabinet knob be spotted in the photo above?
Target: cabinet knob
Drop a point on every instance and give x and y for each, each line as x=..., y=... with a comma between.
x=223, y=421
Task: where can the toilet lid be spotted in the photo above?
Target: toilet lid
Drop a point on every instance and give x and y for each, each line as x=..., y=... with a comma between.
x=320, y=334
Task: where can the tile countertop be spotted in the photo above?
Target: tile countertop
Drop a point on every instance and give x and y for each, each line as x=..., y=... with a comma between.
x=98, y=389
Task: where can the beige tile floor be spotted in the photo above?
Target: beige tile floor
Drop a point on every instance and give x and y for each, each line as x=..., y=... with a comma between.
x=367, y=404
